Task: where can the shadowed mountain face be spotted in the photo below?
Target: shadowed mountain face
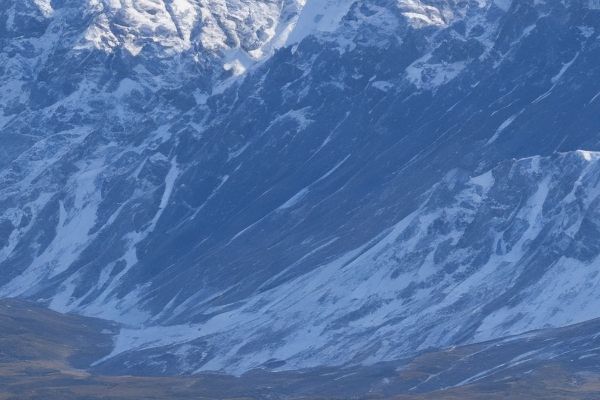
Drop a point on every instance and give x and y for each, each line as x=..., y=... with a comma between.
x=282, y=184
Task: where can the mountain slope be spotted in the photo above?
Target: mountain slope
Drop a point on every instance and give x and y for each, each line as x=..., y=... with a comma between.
x=317, y=205
x=455, y=270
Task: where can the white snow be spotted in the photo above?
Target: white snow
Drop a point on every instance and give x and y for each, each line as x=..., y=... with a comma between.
x=594, y=98
x=332, y=170
x=294, y=200
x=503, y=126
x=504, y=5
x=486, y=181
x=318, y=16
x=557, y=78
x=587, y=31
x=384, y=86
x=425, y=75
x=72, y=232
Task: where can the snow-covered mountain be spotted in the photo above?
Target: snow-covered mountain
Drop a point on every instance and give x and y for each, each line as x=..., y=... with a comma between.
x=295, y=183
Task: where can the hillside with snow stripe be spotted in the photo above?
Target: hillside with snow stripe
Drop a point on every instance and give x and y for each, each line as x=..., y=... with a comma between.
x=437, y=277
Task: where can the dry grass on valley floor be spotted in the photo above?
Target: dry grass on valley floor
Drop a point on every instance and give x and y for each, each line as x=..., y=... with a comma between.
x=42, y=355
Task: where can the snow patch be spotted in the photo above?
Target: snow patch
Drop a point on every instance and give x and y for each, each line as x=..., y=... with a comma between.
x=318, y=16
x=294, y=200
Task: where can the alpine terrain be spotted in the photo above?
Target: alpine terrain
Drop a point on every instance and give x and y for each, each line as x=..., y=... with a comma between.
x=279, y=186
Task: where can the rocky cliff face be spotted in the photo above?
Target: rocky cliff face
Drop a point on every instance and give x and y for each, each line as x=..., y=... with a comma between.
x=298, y=184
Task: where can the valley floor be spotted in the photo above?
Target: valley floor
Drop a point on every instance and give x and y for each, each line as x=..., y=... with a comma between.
x=45, y=355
